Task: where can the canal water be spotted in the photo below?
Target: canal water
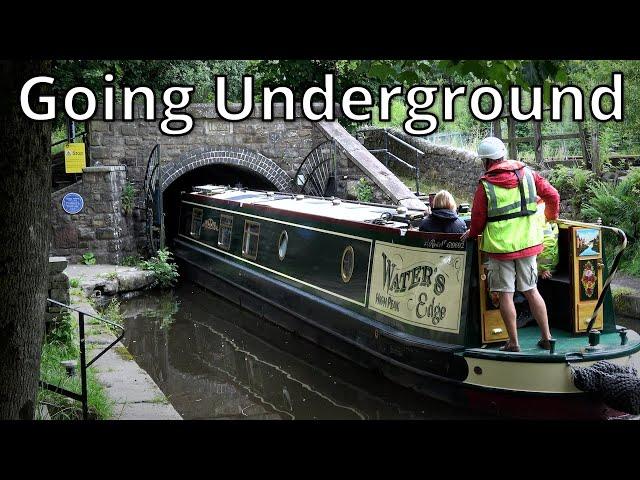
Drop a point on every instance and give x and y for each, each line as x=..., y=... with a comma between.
x=190, y=342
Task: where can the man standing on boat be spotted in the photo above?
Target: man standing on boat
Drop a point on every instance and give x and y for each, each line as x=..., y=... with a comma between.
x=503, y=211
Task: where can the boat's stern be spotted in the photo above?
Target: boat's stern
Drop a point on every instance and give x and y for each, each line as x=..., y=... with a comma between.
x=537, y=383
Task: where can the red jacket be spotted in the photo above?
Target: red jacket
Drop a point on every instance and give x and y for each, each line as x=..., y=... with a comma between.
x=501, y=174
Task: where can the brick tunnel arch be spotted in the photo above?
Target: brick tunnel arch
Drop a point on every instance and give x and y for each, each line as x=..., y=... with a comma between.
x=238, y=157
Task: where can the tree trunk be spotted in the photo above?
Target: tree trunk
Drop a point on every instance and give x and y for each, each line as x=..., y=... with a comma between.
x=25, y=184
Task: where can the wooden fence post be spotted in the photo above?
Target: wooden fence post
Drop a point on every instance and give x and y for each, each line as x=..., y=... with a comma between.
x=513, y=147
x=537, y=134
x=497, y=128
x=586, y=157
x=595, y=152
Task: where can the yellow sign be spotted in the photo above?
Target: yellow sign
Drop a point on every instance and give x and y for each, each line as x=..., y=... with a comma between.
x=419, y=286
x=74, y=158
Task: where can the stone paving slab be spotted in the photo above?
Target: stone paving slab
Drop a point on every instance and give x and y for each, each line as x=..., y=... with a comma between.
x=134, y=393
x=628, y=303
x=109, y=279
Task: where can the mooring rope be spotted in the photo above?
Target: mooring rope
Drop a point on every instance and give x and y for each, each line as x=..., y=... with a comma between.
x=618, y=386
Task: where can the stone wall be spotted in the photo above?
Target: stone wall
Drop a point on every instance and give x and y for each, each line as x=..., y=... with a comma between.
x=130, y=143
x=101, y=227
x=119, y=151
x=58, y=289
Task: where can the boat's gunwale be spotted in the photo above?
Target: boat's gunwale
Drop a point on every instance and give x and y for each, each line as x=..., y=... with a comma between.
x=570, y=357
x=325, y=219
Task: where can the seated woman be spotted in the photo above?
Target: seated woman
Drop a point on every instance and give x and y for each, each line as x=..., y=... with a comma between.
x=443, y=217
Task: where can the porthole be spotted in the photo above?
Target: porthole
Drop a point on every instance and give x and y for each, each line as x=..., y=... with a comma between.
x=346, y=264
x=283, y=242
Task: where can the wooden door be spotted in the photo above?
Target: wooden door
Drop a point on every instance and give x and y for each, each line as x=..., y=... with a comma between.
x=587, y=276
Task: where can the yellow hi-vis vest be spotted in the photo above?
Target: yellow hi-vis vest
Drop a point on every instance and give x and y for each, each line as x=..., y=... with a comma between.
x=511, y=222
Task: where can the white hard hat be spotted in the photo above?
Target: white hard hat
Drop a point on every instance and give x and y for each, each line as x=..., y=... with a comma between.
x=491, y=147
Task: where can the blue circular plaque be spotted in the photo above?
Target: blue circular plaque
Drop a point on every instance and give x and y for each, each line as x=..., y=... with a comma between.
x=72, y=203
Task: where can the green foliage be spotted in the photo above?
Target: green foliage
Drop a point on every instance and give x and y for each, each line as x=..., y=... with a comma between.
x=572, y=182
x=128, y=194
x=63, y=344
x=74, y=282
x=155, y=74
x=112, y=313
x=618, y=206
x=131, y=261
x=164, y=269
x=364, y=191
x=110, y=275
x=165, y=310
x=88, y=258
x=63, y=335
x=619, y=294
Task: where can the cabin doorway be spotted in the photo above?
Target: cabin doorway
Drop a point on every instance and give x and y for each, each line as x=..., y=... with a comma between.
x=208, y=174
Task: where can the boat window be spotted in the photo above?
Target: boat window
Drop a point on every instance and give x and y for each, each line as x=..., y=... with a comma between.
x=250, y=239
x=346, y=265
x=283, y=243
x=196, y=222
x=224, y=234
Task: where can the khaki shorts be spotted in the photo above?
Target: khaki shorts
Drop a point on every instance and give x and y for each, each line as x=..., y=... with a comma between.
x=507, y=275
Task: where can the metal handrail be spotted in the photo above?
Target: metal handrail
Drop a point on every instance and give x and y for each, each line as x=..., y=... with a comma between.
x=304, y=162
x=82, y=396
x=402, y=142
x=83, y=134
x=388, y=154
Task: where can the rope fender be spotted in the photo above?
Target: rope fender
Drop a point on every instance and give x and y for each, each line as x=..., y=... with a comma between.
x=618, y=386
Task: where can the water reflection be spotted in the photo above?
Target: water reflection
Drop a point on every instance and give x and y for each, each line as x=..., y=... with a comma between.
x=215, y=360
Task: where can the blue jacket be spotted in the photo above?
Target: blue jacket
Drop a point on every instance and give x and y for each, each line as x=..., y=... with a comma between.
x=443, y=220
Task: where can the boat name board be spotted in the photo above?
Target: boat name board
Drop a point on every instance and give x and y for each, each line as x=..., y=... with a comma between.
x=418, y=286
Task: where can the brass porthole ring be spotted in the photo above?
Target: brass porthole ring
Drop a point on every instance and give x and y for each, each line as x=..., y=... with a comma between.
x=347, y=264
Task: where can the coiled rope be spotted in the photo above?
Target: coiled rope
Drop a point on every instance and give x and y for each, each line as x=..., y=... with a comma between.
x=618, y=386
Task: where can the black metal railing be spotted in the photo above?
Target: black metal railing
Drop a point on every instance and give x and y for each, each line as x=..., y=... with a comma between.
x=68, y=139
x=82, y=396
x=389, y=155
x=317, y=169
x=153, y=201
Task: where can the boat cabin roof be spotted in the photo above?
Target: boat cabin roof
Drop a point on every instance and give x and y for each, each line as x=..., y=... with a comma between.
x=397, y=217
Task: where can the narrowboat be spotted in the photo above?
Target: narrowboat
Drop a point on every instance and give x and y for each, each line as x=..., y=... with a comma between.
x=361, y=280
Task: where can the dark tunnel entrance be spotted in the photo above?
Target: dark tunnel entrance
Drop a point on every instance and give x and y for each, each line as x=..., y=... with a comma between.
x=209, y=174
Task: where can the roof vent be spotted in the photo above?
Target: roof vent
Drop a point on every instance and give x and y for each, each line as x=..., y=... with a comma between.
x=336, y=201
x=401, y=210
x=299, y=197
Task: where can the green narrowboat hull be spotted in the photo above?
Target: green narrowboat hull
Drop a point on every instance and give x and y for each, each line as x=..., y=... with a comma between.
x=408, y=307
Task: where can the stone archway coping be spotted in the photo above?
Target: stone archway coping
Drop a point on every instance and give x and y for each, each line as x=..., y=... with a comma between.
x=226, y=155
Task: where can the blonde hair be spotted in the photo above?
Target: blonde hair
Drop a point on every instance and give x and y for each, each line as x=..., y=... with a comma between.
x=444, y=199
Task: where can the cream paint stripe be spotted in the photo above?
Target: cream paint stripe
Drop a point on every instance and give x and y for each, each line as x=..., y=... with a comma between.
x=275, y=271
x=364, y=239
x=538, y=377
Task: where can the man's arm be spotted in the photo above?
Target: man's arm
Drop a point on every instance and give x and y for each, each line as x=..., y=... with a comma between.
x=478, y=212
x=549, y=196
